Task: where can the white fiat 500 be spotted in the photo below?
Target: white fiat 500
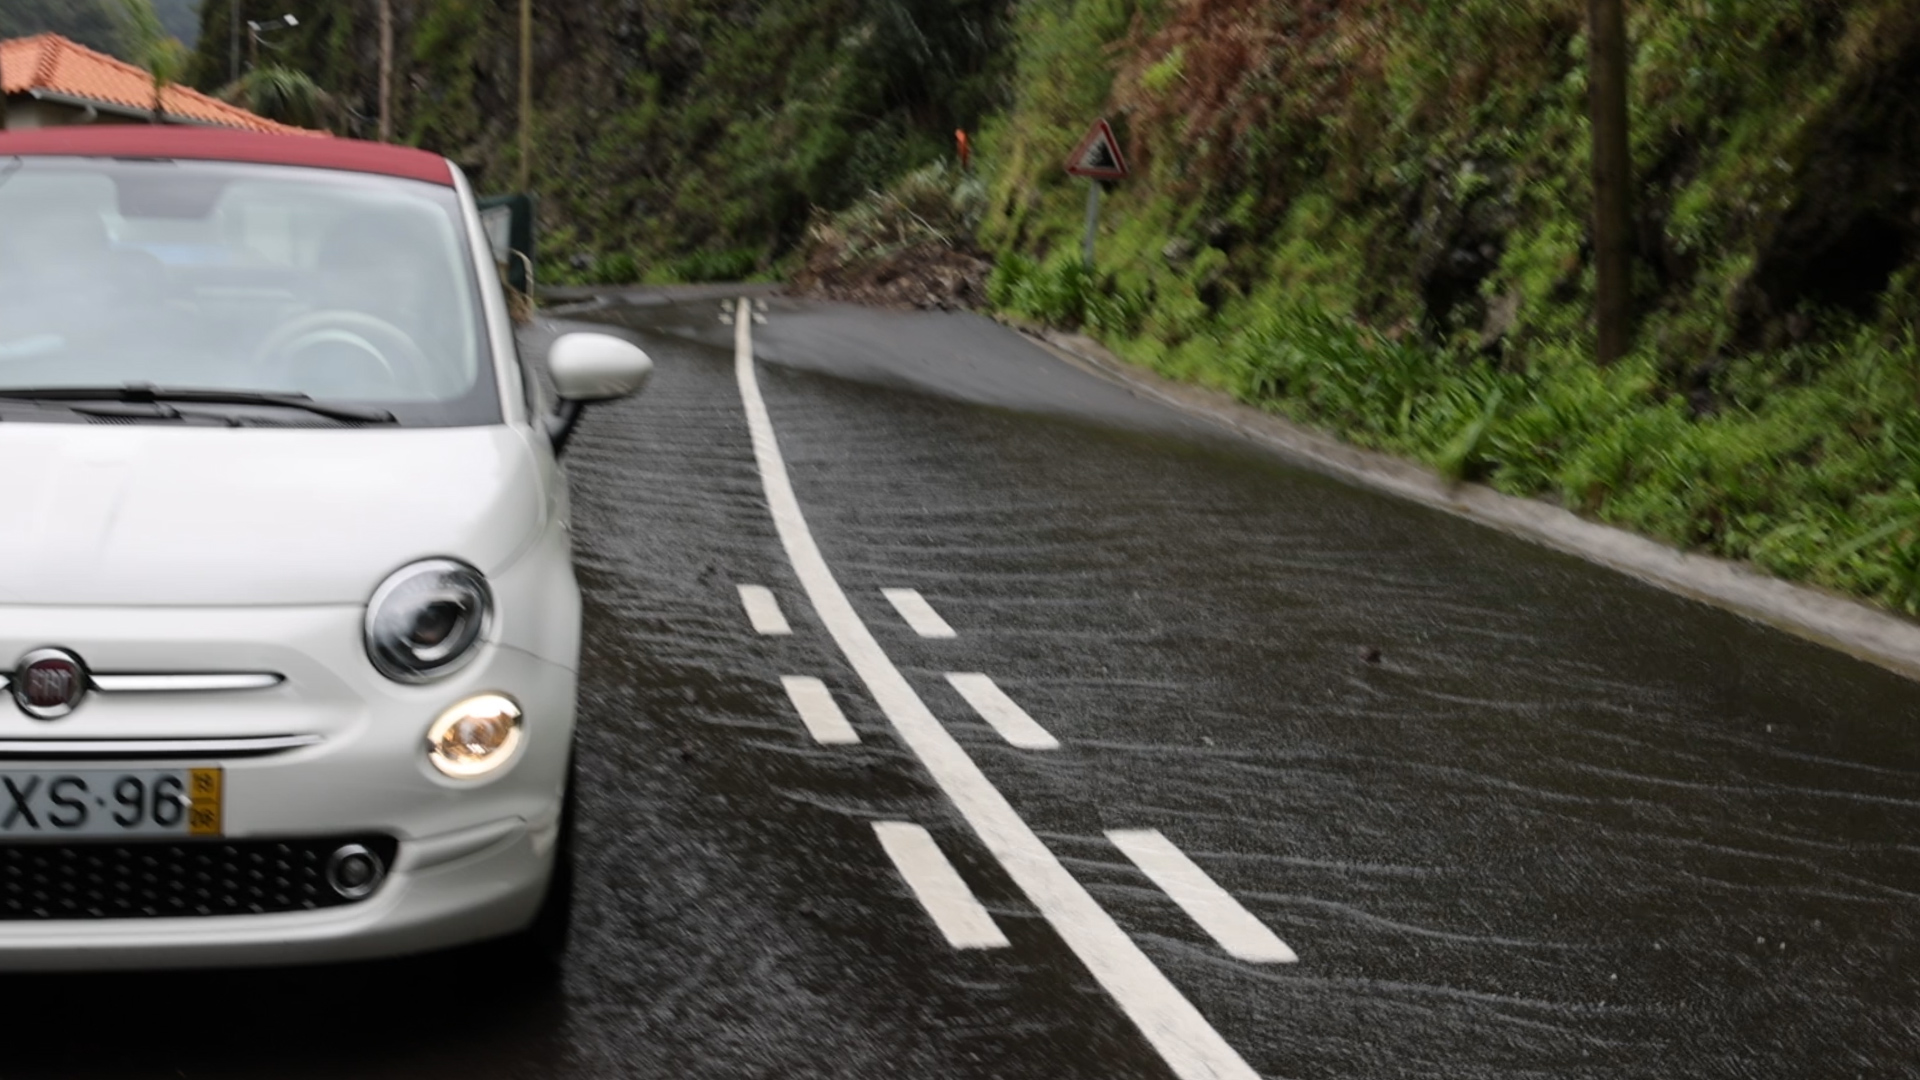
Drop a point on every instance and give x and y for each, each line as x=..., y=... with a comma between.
x=288, y=621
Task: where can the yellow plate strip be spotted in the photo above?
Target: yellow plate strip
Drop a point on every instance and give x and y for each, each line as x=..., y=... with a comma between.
x=204, y=787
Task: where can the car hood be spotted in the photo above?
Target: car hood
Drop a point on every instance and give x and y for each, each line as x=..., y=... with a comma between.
x=141, y=515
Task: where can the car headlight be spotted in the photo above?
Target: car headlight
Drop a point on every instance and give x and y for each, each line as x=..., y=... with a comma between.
x=474, y=737
x=427, y=620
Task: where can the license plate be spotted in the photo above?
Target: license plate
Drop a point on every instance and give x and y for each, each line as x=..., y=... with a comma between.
x=51, y=803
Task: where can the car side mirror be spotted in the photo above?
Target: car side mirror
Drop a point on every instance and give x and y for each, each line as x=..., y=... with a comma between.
x=591, y=367
x=596, y=367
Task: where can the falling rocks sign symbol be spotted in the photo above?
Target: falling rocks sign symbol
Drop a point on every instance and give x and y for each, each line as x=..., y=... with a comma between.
x=1098, y=155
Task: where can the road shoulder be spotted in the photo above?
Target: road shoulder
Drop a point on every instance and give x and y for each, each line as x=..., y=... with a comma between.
x=1838, y=622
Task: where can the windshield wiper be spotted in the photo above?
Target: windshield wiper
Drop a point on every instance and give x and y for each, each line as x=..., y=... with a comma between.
x=143, y=393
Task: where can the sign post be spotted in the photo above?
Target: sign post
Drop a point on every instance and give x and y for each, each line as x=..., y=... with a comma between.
x=1093, y=222
x=1097, y=160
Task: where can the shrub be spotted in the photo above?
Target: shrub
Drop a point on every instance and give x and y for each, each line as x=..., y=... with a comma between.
x=735, y=265
x=1064, y=292
x=617, y=268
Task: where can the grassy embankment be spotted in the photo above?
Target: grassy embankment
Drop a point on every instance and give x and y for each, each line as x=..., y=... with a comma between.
x=1370, y=216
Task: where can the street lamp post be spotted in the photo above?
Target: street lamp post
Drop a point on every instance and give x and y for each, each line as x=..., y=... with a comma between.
x=526, y=94
x=255, y=29
x=386, y=70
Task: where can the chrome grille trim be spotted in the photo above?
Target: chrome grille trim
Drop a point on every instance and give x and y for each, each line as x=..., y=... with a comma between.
x=86, y=749
x=184, y=683
x=167, y=683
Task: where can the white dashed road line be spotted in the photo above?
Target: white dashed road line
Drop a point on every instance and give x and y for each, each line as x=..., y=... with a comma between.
x=1205, y=902
x=814, y=702
x=763, y=610
x=919, y=614
x=1184, y=1039
x=937, y=885
x=1000, y=711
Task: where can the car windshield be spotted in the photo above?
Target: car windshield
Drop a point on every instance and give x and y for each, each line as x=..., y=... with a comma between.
x=348, y=288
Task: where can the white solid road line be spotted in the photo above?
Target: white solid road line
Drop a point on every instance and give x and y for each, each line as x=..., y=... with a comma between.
x=1185, y=1040
x=937, y=885
x=814, y=702
x=919, y=614
x=1000, y=711
x=1204, y=901
x=763, y=610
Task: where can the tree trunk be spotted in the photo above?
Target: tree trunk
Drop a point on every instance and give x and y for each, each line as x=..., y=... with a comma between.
x=386, y=70
x=1612, y=177
x=526, y=94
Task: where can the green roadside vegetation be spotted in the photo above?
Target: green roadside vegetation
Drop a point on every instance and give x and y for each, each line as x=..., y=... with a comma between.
x=1370, y=217
x=674, y=140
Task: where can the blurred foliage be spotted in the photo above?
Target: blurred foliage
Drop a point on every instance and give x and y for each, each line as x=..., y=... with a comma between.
x=1063, y=292
x=97, y=24
x=146, y=41
x=693, y=137
x=740, y=264
x=137, y=31
x=141, y=32
x=1370, y=216
x=282, y=94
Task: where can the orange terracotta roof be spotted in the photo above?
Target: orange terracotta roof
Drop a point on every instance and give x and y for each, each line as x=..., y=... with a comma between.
x=51, y=64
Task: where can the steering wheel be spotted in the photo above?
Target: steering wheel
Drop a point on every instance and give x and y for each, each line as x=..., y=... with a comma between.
x=378, y=340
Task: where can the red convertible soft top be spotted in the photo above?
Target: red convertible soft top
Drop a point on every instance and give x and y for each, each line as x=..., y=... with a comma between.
x=221, y=144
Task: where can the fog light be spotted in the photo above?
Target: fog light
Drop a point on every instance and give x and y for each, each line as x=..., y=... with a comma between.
x=474, y=737
x=353, y=871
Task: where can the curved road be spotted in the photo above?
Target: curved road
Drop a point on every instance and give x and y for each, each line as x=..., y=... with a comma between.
x=1098, y=744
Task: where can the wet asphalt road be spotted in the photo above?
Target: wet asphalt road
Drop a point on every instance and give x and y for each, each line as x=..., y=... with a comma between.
x=1564, y=826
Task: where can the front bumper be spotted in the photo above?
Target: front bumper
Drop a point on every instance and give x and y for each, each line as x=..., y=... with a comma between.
x=447, y=890
x=473, y=859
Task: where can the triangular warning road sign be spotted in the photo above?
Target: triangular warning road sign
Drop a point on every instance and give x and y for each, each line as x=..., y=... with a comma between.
x=1098, y=155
